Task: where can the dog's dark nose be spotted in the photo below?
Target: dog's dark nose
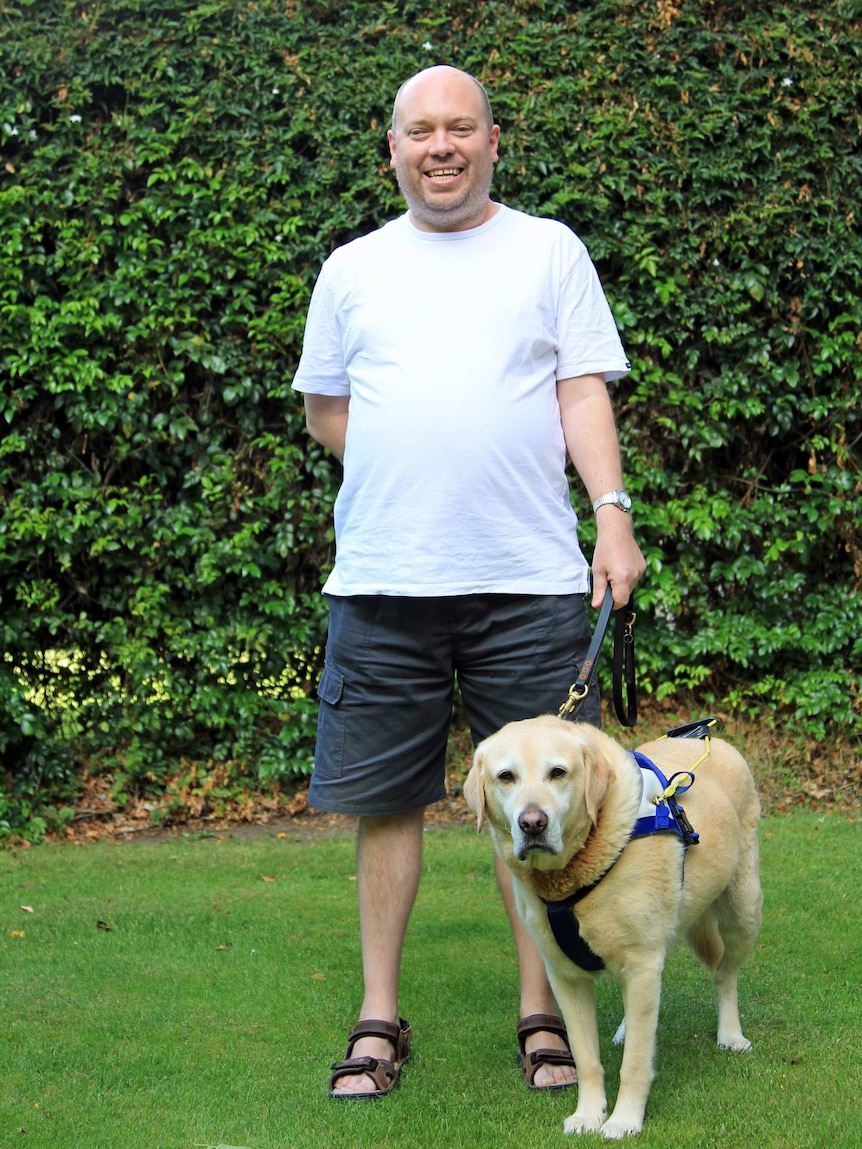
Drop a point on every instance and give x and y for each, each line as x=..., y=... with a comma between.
x=533, y=821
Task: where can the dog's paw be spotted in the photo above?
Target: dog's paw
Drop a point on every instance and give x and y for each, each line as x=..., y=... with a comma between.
x=738, y=1044
x=615, y=1130
x=620, y=1035
x=583, y=1123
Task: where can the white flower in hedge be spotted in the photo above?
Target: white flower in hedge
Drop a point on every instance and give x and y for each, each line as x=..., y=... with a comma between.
x=787, y=82
x=74, y=119
x=427, y=45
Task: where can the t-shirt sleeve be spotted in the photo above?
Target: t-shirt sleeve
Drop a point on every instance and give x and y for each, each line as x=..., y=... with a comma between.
x=321, y=365
x=588, y=340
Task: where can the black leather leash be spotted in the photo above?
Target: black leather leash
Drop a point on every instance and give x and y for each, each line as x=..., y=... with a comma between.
x=625, y=688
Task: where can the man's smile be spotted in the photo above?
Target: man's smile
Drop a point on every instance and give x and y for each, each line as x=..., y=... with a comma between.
x=444, y=174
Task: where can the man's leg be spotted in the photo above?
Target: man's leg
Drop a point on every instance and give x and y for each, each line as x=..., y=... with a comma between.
x=385, y=707
x=388, y=866
x=536, y=994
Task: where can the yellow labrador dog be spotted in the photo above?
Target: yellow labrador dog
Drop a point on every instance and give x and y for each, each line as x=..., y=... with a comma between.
x=564, y=803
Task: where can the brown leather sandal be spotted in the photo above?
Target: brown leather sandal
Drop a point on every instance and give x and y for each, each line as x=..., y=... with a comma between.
x=531, y=1062
x=385, y=1074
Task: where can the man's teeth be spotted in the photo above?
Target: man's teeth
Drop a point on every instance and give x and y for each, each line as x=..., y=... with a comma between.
x=444, y=172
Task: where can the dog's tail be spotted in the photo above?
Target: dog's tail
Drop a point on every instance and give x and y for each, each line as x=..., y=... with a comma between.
x=705, y=940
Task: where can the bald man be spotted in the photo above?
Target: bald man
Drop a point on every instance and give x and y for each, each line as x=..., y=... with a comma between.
x=452, y=360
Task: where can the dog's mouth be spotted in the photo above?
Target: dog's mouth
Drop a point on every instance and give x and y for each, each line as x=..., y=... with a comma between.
x=537, y=846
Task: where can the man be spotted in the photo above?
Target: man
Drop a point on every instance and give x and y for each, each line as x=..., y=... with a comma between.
x=451, y=358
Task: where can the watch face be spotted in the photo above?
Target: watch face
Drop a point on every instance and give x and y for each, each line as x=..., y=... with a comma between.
x=620, y=499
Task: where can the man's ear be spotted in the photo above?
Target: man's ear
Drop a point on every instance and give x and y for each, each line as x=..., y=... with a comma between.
x=493, y=142
x=474, y=790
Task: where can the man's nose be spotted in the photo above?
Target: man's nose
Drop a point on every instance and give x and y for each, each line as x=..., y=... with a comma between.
x=440, y=144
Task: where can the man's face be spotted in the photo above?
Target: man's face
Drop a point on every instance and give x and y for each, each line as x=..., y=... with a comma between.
x=443, y=151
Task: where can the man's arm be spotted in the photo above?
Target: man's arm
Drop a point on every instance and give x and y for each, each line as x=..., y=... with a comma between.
x=593, y=446
x=326, y=420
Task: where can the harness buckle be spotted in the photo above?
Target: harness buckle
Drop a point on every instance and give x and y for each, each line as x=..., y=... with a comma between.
x=689, y=835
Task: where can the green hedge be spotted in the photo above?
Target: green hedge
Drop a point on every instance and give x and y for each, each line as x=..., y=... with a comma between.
x=171, y=177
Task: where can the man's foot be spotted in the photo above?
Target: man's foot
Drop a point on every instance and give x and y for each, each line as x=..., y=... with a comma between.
x=371, y=1067
x=544, y=1056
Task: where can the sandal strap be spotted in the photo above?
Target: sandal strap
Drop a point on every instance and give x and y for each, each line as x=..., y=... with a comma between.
x=541, y=1023
x=383, y=1073
x=547, y=1057
x=531, y=1063
x=399, y=1035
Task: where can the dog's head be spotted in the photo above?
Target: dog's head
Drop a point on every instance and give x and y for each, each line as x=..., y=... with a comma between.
x=540, y=783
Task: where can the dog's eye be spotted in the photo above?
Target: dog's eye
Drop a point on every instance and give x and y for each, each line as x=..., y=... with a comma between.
x=556, y=772
x=505, y=776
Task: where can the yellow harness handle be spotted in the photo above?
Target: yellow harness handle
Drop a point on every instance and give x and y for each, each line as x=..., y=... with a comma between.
x=677, y=780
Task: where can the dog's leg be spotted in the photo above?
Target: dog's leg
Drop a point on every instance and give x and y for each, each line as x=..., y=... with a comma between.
x=730, y=1035
x=577, y=997
x=641, y=997
x=740, y=914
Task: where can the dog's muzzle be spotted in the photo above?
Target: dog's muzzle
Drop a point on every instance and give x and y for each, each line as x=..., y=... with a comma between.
x=533, y=824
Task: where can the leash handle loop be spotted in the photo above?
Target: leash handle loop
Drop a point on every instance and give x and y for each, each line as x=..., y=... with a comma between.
x=624, y=666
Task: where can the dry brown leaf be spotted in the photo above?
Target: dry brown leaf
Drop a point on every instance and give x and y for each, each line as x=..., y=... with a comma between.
x=298, y=805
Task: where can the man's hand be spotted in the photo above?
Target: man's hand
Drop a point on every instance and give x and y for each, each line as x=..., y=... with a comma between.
x=617, y=559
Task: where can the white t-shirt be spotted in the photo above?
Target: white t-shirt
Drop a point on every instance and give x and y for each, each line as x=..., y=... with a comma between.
x=450, y=346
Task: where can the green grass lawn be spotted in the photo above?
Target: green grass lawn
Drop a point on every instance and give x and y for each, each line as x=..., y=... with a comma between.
x=171, y=996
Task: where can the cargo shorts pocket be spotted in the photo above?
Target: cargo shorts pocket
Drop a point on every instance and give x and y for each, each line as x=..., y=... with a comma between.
x=331, y=685
x=331, y=717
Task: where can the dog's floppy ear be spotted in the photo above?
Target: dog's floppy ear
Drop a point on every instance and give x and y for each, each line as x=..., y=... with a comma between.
x=474, y=791
x=598, y=775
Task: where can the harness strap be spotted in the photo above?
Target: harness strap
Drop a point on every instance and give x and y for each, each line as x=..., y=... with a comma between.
x=669, y=818
x=566, y=928
x=567, y=934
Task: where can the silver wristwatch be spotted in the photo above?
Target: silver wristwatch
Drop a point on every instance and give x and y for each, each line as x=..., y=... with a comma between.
x=619, y=499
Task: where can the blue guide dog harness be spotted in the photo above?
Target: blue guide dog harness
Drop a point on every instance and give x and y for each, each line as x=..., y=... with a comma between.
x=659, y=813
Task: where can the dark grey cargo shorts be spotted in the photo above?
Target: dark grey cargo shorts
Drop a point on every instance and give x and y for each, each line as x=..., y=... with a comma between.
x=386, y=693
